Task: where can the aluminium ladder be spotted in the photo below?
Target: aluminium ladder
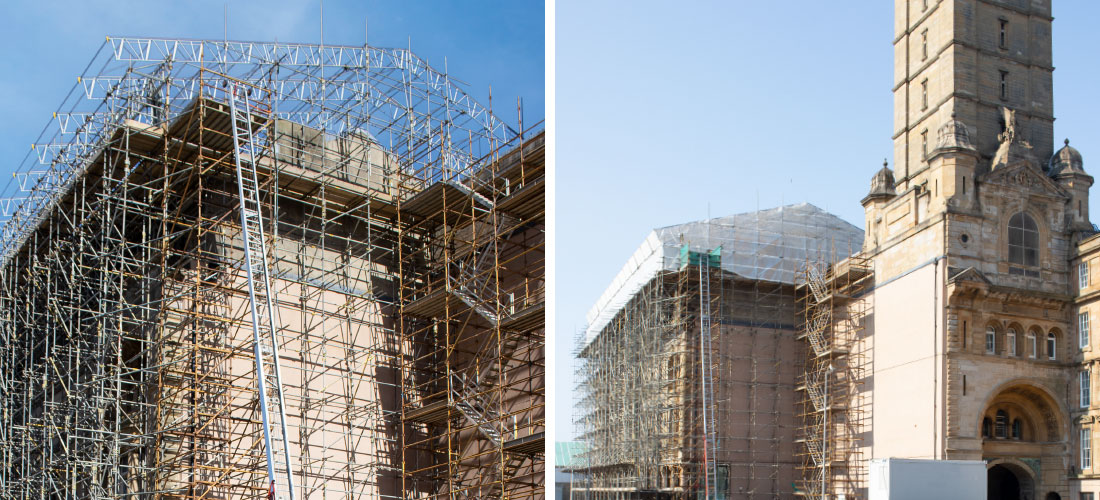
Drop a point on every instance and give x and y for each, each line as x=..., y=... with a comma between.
x=710, y=445
x=266, y=342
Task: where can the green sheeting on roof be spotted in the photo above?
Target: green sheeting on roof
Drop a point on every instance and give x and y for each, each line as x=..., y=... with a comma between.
x=712, y=258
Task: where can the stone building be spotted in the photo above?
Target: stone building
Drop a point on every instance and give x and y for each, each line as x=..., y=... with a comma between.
x=978, y=241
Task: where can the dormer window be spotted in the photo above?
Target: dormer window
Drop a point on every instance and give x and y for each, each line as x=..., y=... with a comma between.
x=1023, y=240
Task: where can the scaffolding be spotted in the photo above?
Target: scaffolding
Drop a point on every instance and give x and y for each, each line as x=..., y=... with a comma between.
x=472, y=303
x=833, y=407
x=127, y=359
x=672, y=405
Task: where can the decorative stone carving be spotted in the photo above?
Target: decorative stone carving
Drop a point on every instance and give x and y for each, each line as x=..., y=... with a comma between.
x=1013, y=149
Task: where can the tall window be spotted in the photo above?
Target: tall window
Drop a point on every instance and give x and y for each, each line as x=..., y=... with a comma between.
x=1000, y=424
x=1023, y=240
x=1083, y=275
x=924, y=94
x=1010, y=341
x=1086, y=389
x=1052, y=345
x=1086, y=449
x=990, y=340
x=924, y=143
x=1004, y=85
x=1017, y=429
x=924, y=45
x=1083, y=329
x=1033, y=345
x=1004, y=33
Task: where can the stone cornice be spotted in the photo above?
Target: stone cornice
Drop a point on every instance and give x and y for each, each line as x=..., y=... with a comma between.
x=1011, y=295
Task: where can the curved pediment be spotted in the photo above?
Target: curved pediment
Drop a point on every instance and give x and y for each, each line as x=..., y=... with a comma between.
x=1026, y=175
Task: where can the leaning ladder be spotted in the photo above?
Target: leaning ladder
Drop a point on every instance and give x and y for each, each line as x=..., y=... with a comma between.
x=710, y=446
x=266, y=341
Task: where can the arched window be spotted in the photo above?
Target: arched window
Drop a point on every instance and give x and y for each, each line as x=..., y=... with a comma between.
x=987, y=427
x=1032, y=345
x=1010, y=341
x=1052, y=344
x=1017, y=429
x=990, y=340
x=1023, y=240
x=1001, y=424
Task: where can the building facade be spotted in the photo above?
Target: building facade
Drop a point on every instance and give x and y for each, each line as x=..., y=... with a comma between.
x=978, y=325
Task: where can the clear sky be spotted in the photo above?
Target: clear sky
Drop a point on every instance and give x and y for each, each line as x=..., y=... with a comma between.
x=485, y=42
x=670, y=111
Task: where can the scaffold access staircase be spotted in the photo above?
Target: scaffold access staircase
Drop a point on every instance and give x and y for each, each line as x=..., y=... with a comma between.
x=815, y=331
x=473, y=404
x=467, y=285
x=264, y=333
x=832, y=318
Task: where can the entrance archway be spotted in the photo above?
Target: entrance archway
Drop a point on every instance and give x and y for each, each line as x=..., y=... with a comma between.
x=1019, y=419
x=1002, y=484
x=1008, y=481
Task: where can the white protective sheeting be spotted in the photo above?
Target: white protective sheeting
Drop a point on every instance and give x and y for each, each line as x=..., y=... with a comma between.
x=768, y=245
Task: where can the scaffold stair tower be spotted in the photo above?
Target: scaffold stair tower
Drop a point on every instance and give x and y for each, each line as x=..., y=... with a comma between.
x=475, y=407
x=264, y=334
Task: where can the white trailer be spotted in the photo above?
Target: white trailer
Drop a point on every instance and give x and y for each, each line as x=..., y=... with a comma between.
x=910, y=479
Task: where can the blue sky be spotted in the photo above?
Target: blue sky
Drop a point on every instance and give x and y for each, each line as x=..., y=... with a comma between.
x=670, y=111
x=484, y=42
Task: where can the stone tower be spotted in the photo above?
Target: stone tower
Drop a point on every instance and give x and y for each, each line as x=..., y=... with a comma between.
x=977, y=350
x=970, y=58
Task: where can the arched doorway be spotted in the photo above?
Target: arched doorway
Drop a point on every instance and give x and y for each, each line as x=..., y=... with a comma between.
x=1008, y=479
x=1053, y=496
x=1002, y=484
